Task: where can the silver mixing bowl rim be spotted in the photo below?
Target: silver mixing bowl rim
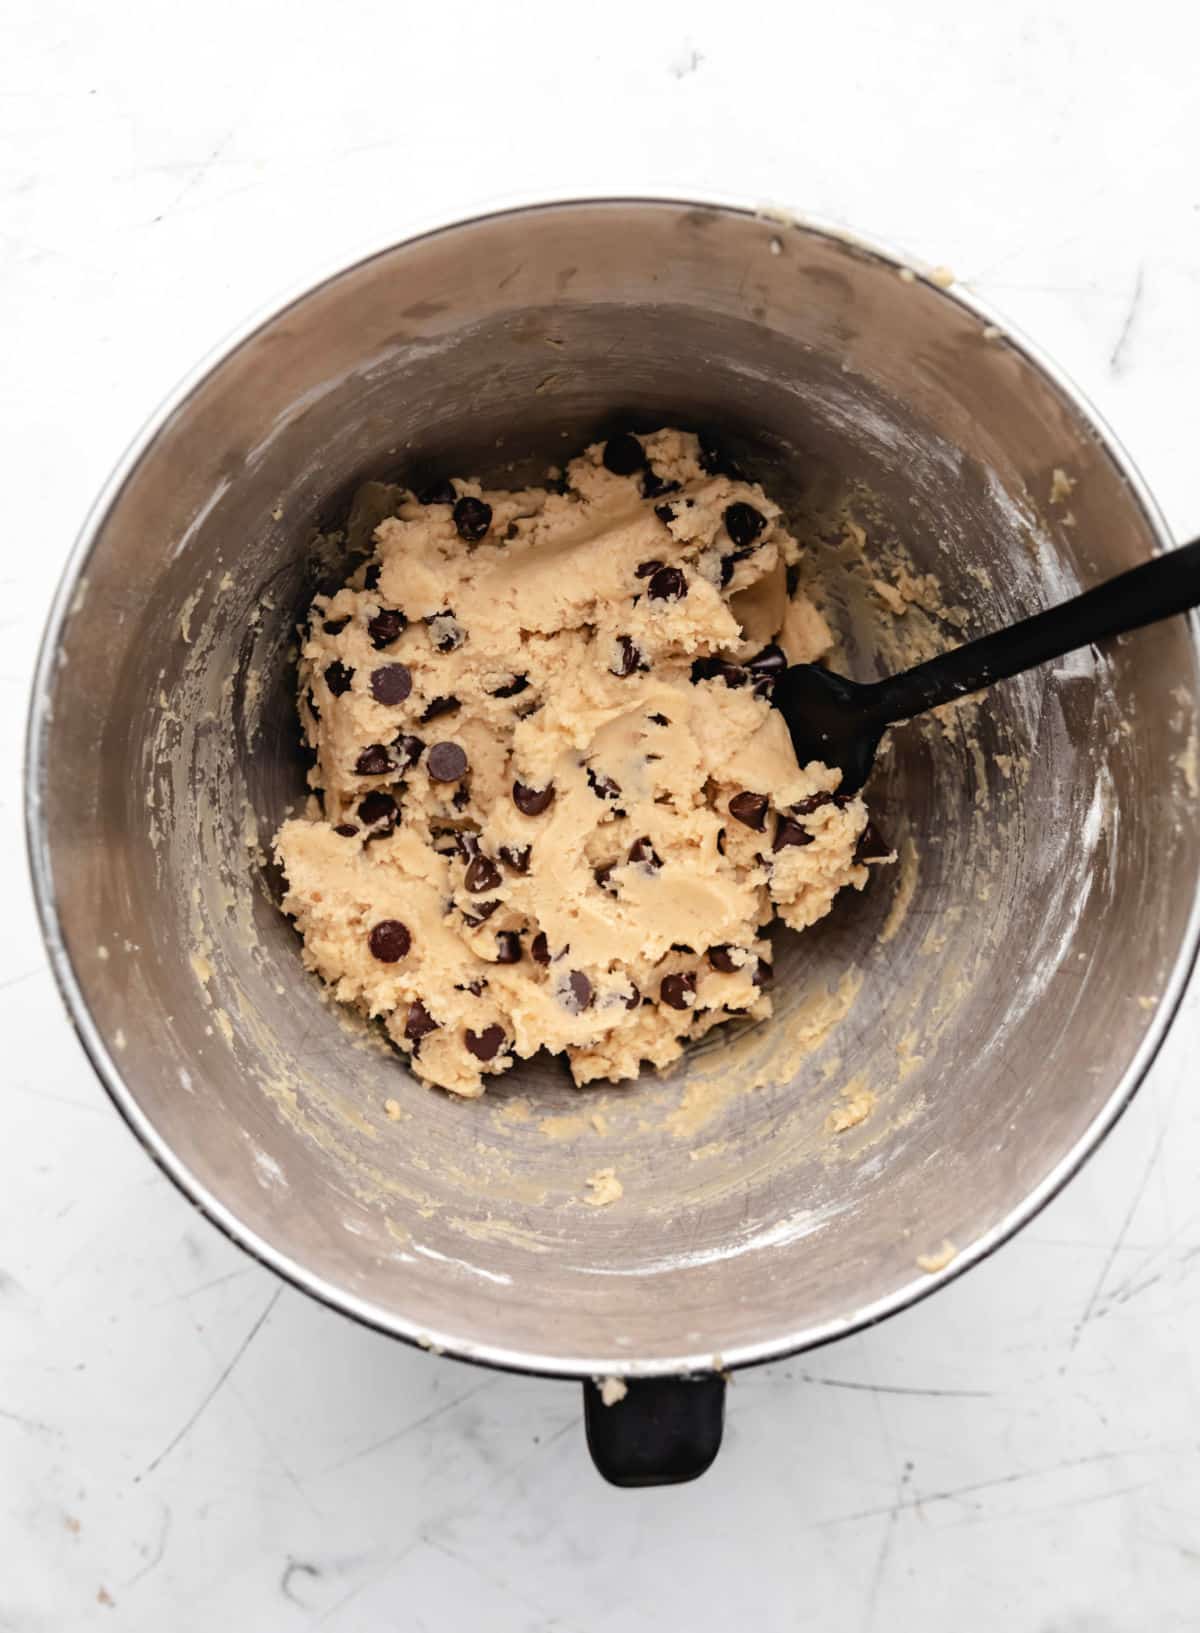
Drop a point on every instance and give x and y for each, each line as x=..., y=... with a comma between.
x=95, y=1046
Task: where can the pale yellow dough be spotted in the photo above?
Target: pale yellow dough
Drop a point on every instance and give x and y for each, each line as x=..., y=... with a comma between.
x=546, y=595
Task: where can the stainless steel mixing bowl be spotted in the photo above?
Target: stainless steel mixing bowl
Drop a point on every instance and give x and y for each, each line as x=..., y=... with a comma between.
x=1000, y=992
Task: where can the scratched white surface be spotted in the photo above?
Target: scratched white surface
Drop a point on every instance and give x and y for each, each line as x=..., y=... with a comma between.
x=184, y=1445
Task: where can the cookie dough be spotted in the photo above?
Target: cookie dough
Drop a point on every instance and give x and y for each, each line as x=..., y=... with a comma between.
x=556, y=808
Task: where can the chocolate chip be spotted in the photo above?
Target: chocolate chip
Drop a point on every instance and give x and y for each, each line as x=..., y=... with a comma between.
x=532, y=801
x=312, y=706
x=445, y=631
x=386, y=626
x=814, y=802
x=513, y=688
x=653, y=486
x=389, y=941
x=711, y=454
x=371, y=577
x=645, y=569
x=629, y=658
x=762, y=974
x=634, y=998
x=715, y=459
x=665, y=514
x=720, y=841
x=678, y=988
x=721, y=959
x=788, y=833
x=484, y=1045
x=743, y=523
x=727, y=566
x=374, y=761
x=410, y=748
x=602, y=876
x=681, y=947
x=508, y=947
x=377, y=807
x=623, y=455
x=482, y=874
x=516, y=857
x=466, y=843
x=792, y=578
x=480, y=912
x=772, y=660
x=644, y=853
x=750, y=810
x=658, y=719
x=438, y=493
x=338, y=678
x=577, y=995
x=668, y=584
x=391, y=684
x=446, y=762
x=346, y=829
x=718, y=669
x=871, y=847
x=420, y=1022
x=472, y=518
x=438, y=706
x=334, y=626
x=460, y=799
x=603, y=787
x=540, y=948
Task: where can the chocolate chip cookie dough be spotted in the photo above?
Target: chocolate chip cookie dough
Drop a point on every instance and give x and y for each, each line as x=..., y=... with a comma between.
x=556, y=807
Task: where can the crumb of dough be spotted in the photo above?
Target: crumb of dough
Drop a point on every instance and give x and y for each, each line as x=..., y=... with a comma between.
x=185, y=616
x=1186, y=761
x=599, y=1122
x=102, y=953
x=942, y=276
x=612, y=1390
x=907, y=275
x=907, y=1058
x=552, y=805
x=392, y=1110
x=1147, y=1000
x=858, y=1102
x=605, y=1188
x=890, y=596
x=931, y=1263
x=1061, y=486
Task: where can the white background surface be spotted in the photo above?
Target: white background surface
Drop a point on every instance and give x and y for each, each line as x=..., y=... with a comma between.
x=186, y=1446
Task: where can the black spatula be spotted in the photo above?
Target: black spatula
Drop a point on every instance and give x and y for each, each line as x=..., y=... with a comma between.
x=840, y=721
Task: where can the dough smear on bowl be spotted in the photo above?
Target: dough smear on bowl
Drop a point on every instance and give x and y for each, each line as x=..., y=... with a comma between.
x=557, y=810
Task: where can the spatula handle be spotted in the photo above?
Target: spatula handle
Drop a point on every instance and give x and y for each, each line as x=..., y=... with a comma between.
x=1159, y=588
